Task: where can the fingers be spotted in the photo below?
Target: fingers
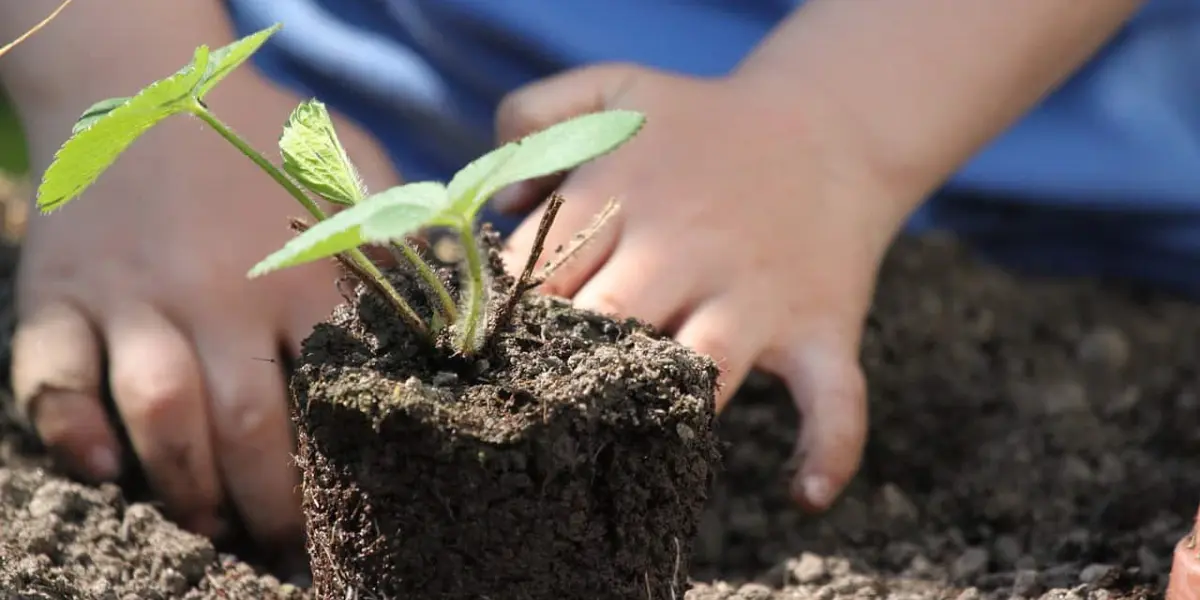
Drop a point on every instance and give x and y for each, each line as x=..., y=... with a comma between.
x=251, y=432
x=522, y=196
x=548, y=101
x=828, y=387
x=716, y=330
x=159, y=393
x=574, y=217
x=56, y=381
x=637, y=280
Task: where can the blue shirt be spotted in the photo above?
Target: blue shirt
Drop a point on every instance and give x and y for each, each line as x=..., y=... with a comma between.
x=1101, y=179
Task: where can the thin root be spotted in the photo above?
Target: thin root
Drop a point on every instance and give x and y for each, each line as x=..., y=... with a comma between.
x=580, y=240
x=13, y=44
x=678, y=565
x=524, y=283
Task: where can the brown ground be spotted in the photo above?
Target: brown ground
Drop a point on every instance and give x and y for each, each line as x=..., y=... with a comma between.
x=1026, y=437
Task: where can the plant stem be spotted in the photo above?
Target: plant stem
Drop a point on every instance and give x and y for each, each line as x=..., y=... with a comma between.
x=407, y=313
x=264, y=164
x=449, y=310
x=469, y=340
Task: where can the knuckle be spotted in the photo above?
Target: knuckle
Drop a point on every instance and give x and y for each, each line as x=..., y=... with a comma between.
x=242, y=413
x=152, y=400
x=514, y=113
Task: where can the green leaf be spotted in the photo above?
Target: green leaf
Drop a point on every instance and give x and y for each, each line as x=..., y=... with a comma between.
x=227, y=58
x=95, y=146
x=468, y=180
x=560, y=147
x=95, y=111
x=313, y=155
x=387, y=216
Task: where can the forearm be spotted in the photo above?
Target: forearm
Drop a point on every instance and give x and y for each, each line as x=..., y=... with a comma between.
x=929, y=82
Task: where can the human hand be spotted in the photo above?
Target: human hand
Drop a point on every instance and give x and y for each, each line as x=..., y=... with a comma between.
x=142, y=285
x=750, y=227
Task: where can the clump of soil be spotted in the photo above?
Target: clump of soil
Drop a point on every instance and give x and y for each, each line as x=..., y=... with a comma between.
x=571, y=459
x=1029, y=439
x=64, y=540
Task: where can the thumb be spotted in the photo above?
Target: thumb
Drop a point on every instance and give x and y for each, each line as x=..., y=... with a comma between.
x=546, y=102
x=829, y=389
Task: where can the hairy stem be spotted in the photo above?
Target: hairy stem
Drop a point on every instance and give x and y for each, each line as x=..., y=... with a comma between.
x=471, y=320
x=367, y=267
x=245, y=148
x=444, y=300
x=355, y=269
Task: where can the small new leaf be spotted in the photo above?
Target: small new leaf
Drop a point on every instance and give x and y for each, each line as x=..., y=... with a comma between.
x=557, y=148
x=227, y=58
x=387, y=216
x=313, y=155
x=93, y=149
x=95, y=111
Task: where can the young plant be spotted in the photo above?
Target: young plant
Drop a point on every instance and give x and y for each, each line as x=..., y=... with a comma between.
x=315, y=160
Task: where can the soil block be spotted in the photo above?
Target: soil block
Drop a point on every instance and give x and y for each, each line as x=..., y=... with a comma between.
x=571, y=459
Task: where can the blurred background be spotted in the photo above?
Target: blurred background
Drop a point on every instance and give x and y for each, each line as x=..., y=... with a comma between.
x=14, y=170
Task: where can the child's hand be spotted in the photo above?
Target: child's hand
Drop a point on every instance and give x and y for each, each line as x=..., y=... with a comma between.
x=142, y=284
x=750, y=227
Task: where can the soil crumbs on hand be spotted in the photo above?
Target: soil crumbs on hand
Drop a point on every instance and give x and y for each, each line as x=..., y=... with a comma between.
x=1028, y=438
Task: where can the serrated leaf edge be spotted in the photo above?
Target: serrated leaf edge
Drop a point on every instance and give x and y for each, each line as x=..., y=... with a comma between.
x=199, y=56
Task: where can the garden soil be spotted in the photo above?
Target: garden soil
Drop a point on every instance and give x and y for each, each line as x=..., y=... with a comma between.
x=570, y=435
x=1028, y=438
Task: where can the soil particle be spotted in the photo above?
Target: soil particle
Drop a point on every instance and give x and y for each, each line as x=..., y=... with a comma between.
x=971, y=564
x=1026, y=583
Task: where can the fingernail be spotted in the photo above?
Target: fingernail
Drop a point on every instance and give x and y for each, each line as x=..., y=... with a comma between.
x=103, y=463
x=818, y=491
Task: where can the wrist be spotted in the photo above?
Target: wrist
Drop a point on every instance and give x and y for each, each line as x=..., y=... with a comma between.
x=859, y=157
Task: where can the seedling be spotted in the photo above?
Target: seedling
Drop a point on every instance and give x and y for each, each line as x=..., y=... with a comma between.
x=315, y=160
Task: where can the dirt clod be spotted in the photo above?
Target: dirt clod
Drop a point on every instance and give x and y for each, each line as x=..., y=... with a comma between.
x=582, y=441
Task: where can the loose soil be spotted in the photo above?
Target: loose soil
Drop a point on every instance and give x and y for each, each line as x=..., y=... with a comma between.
x=1028, y=438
